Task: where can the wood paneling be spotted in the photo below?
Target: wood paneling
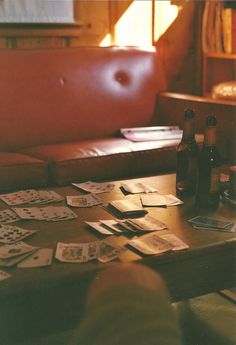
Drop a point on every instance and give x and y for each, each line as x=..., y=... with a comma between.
x=179, y=48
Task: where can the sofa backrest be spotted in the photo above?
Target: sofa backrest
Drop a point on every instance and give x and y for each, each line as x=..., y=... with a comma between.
x=59, y=95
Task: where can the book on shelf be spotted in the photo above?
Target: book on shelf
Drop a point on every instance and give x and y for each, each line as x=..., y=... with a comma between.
x=219, y=27
x=152, y=133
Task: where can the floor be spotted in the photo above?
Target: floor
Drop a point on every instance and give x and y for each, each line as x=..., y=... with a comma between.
x=205, y=320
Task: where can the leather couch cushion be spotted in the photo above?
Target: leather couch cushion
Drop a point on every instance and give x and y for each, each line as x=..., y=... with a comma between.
x=65, y=95
x=20, y=171
x=105, y=159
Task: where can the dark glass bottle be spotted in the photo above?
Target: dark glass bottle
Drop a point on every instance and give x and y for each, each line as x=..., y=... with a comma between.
x=187, y=156
x=208, y=188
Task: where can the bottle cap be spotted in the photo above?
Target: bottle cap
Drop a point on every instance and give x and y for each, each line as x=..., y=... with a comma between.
x=211, y=121
x=189, y=113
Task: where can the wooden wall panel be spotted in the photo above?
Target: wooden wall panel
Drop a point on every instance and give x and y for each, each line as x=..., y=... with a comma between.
x=180, y=50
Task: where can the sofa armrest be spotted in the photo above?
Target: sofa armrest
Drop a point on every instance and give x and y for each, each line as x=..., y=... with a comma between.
x=170, y=107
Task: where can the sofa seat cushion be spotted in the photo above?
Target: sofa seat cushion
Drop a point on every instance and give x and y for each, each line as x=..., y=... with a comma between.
x=105, y=159
x=21, y=171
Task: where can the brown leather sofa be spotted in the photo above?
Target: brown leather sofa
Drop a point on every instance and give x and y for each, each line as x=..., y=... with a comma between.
x=62, y=110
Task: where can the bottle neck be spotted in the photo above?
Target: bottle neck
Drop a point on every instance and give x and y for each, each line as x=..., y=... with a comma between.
x=210, y=136
x=188, y=130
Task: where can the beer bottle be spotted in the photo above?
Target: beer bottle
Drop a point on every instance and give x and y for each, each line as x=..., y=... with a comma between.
x=187, y=156
x=208, y=187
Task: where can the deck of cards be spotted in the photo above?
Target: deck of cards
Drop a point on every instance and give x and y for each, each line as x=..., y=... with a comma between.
x=11, y=254
x=30, y=196
x=212, y=224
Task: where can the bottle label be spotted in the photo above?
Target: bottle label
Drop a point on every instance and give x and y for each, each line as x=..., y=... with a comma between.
x=215, y=180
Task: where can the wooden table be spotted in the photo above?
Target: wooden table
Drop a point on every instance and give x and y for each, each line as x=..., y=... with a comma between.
x=55, y=295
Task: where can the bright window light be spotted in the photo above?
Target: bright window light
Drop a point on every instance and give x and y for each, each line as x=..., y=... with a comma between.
x=165, y=14
x=134, y=27
x=106, y=41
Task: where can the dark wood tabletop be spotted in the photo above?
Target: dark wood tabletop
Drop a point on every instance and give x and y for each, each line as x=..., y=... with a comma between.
x=208, y=265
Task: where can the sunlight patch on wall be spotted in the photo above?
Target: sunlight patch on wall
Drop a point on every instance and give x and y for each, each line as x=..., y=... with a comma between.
x=134, y=27
x=165, y=14
x=106, y=41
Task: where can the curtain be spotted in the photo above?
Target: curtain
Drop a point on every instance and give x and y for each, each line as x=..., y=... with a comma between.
x=36, y=11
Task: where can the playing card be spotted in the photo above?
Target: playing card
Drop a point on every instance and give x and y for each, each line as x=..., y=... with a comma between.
x=113, y=225
x=127, y=208
x=46, y=197
x=150, y=245
x=4, y=275
x=135, y=188
x=175, y=241
x=108, y=251
x=93, y=249
x=148, y=223
x=95, y=187
x=228, y=228
x=172, y=200
x=18, y=198
x=47, y=213
x=156, y=199
x=28, y=212
x=14, y=260
x=87, y=200
x=153, y=199
x=72, y=252
x=15, y=249
x=11, y=234
x=42, y=257
x=210, y=222
x=8, y=216
x=100, y=228
x=126, y=226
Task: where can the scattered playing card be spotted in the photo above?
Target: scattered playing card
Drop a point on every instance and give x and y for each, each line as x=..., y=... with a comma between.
x=48, y=213
x=127, y=208
x=8, y=216
x=72, y=252
x=95, y=187
x=15, y=249
x=87, y=200
x=4, y=275
x=42, y=257
x=210, y=222
x=14, y=260
x=156, y=199
x=150, y=245
x=108, y=251
x=18, y=198
x=30, y=196
x=135, y=188
x=113, y=225
x=100, y=228
x=148, y=223
x=175, y=241
x=11, y=234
